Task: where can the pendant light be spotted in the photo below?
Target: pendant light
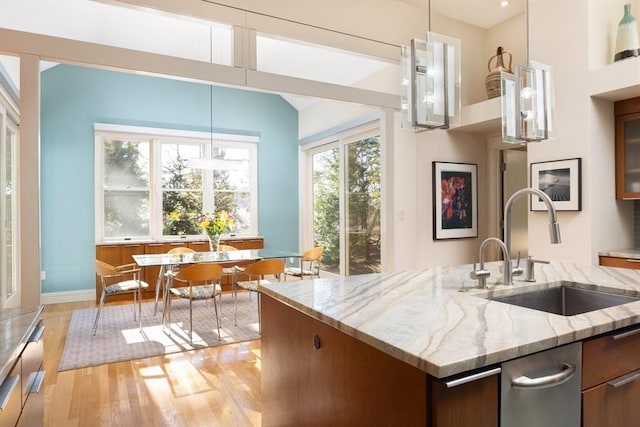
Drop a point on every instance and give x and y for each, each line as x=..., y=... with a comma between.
x=527, y=100
x=430, y=82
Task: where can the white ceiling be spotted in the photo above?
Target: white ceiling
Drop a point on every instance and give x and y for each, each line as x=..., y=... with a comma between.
x=36, y=15
x=481, y=13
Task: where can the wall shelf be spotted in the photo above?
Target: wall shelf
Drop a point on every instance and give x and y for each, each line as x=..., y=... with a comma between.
x=483, y=117
x=617, y=81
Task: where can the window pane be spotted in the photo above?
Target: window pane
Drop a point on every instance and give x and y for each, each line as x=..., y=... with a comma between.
x=238, y=205
x=363, y=206
x=126, y=214
x=294, y=58
x=180, y=212
x=9, y=195
x=126, y=164
x=132, y=28
x=326, y=207
x=175, y=174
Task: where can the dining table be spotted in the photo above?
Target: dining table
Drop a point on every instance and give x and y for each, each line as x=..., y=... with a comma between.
x=168, y=262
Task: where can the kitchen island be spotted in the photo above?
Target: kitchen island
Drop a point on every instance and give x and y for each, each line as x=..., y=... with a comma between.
x=21, y=359
x=435, y=322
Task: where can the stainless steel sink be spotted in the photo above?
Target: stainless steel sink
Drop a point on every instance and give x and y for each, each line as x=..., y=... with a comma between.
x=565, y=300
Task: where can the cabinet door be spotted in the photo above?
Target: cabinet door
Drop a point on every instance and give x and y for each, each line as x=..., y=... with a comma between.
x=613, y=404
x=244, y=243
x=599, y=354
x=471, y=404
x=608, y=261
x=315, y=375
x=628, y=152
x=201, y=246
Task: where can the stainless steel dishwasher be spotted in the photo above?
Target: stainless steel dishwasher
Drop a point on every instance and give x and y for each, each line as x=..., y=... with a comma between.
x=543, y=389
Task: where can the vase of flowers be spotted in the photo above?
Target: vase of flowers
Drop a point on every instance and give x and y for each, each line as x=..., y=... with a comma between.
x=214, y=225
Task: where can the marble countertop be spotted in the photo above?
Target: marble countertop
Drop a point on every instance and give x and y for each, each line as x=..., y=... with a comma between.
x=440, y=322
x=17, y=326
x=621, y=253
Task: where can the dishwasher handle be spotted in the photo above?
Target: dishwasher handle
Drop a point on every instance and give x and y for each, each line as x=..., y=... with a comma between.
x=568, y=369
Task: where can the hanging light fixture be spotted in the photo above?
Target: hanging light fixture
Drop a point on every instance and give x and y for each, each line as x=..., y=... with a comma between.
x=213, y=163
x=527, y=100
x=430, y=82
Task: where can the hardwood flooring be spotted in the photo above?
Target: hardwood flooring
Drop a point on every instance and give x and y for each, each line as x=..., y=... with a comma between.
x=218, y=386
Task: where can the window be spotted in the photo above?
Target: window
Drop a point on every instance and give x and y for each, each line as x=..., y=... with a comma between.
x=346, y=203
x=156, y=183
x=8, y=207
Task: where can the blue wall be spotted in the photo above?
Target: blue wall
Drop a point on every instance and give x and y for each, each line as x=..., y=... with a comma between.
x=74, y=98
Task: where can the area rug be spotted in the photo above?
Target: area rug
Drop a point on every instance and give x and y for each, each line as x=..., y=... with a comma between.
x=119, y=338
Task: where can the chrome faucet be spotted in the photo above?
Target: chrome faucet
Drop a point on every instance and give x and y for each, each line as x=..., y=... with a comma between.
x=482, y=274
x=554, y=227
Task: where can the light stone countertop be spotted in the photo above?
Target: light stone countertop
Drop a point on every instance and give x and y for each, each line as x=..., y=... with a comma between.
x=17, y=326
x=424, y=319
x=621, y=253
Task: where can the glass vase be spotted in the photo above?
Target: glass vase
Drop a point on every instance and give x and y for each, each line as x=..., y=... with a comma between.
x=214, y=242
x=627, y=41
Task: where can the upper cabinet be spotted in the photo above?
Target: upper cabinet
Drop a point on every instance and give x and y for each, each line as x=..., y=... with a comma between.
x=627, y=148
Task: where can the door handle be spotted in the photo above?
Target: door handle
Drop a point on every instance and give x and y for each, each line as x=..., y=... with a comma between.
x=625, y=379
x=568, y=369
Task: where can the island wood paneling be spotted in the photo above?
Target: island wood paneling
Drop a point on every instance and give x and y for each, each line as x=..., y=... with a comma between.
x=315, y=375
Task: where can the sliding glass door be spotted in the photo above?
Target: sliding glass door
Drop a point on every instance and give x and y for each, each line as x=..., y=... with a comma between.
x=346, y=204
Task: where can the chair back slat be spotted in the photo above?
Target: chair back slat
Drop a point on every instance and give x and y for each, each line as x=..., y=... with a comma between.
x=313, y=254
x=181, y=250
x=227, y=248
x=103, y=269
x=265, y=267
x=198, y=273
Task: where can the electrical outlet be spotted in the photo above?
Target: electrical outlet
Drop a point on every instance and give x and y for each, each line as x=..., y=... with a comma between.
x=43, y=275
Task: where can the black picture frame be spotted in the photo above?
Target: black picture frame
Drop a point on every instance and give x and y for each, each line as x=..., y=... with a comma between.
x=561, y=180
x=455, y=200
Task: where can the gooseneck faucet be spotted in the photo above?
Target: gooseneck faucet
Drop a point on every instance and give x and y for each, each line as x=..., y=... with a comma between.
x=508, y=273
x=554, y=227
x=482, y=274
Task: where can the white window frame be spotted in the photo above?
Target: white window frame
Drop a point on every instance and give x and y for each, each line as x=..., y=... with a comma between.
x=9, y=299
x=338, y=140
x=157, y=136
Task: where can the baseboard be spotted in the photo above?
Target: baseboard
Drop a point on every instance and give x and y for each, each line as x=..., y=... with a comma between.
x=68, y=296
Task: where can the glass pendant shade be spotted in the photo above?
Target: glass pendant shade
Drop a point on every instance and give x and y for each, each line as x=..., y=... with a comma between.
x=430, y=85
x=527, y=104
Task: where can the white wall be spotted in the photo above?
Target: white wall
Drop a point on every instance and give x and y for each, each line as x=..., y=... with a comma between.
x=604, y=16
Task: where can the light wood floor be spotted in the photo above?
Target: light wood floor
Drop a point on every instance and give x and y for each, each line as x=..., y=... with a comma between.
x=218, y=386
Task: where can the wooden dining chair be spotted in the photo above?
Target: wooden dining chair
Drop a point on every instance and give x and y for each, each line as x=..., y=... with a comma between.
x=311, y=258
x=255, y=273
x=117, y=280
x=206, y=278
x=230, y=272
x=161, y=282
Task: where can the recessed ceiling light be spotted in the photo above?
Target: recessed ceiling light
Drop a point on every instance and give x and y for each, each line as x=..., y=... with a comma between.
x=504, y=3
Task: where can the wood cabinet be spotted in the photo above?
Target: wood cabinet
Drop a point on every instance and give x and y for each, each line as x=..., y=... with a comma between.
x=627, y=114
x=244, y=243
x=474, y=403
x=609, y=261
x=21, y=399
x=611, y=379
x=315, y=375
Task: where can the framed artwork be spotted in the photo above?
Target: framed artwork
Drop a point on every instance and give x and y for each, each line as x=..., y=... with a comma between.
x=455, y=200
x=561, y=180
